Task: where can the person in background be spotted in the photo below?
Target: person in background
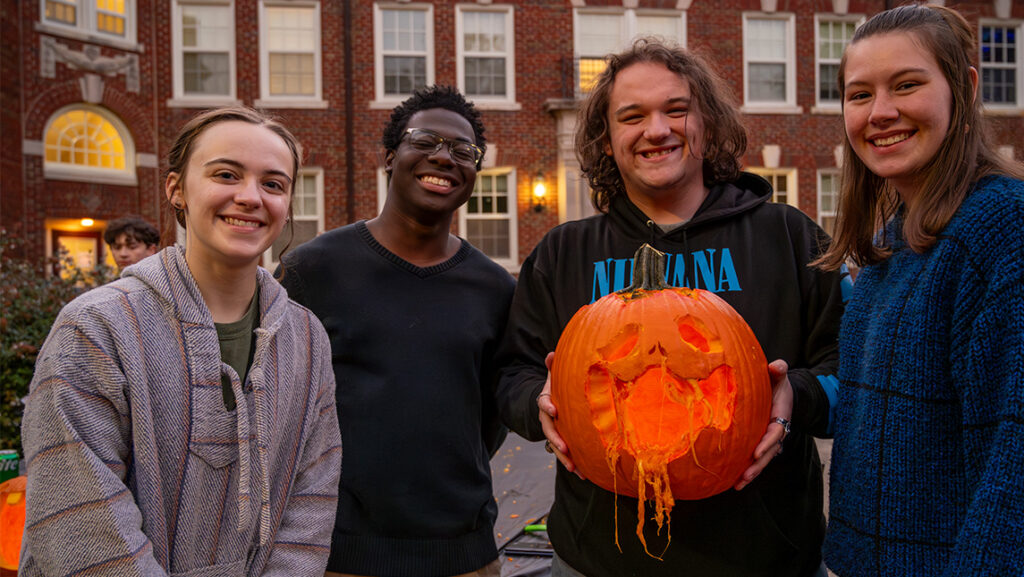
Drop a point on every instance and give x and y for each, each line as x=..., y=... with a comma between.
x=131, y=239
x=414, y=314
x=660, y=140
x=929, y=440
x=181, y=419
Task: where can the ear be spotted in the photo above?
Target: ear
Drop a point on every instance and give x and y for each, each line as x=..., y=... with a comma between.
x=974, y=84
x=389, y=159
x=172, y=188
x=608, y=148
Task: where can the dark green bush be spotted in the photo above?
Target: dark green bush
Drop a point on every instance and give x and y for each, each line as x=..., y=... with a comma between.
x=31, y=295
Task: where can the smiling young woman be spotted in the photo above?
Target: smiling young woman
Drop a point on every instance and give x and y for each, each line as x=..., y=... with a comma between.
x=929, y=418
x=185, y=412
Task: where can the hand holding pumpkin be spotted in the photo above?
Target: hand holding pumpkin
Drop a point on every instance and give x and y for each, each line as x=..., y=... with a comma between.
x=548, y=413
x=782, y=407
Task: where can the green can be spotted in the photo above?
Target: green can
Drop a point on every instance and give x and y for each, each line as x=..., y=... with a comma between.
x=8, y=464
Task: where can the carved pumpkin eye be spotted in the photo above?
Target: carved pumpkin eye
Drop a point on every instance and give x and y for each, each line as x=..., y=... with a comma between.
x=696, y=334
x=621, y=344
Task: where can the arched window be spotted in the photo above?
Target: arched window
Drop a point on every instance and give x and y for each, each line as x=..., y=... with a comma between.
x=89, y=144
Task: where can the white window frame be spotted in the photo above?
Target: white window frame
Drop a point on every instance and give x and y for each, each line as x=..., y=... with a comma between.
x=627, y=31
x=792, y=192
x=79, y=173
x=788, y=105
x=318, y=178
x=828, y=106
x=1001, y=107
x=822, y=214
x=85, y=24
x=512, y=262
x=181, y=99
x=267, y=100
x=388, y=101
x=487, y=101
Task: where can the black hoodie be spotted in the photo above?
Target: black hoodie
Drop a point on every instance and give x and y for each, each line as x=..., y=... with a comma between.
x=754, y=254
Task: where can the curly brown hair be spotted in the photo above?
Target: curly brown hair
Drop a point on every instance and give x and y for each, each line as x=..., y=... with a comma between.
x=725, y=139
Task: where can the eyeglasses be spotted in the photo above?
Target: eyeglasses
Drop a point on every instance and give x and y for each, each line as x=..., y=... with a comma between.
x=428, y=142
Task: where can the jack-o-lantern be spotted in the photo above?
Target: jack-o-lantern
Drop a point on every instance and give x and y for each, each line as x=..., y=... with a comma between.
x=662, y=392
x=12, y=521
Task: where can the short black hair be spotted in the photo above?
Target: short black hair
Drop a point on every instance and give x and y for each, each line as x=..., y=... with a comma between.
x=436, y=96
x=134, y=227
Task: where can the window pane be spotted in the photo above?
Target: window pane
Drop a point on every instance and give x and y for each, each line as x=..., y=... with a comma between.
x=666, y=27
x=85, y=138
x=999, y=64
x=61, y=11
x=290, y=30
x=206, y=27
x=485, y=76
x=599, y=34
x=828, y=87
x=404, y=74
x=291, y=74
x=404, y=30
x=490, y=236
x=767, y=82
x=205, y=73
x=766, y=39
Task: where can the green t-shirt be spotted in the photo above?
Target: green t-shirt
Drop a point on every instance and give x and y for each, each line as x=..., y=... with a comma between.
x=237, y=342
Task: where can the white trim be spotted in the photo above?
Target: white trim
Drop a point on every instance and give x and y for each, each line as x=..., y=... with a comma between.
x=181, y=99
x=509, y=54
x=822, y=214
x=390, y=100
x=1000, y=109
x=382, y=189
x=79, y=173
x=511, y=215
x=292, y=100
x=85, y=25
x=788, y=105
x=825, y=107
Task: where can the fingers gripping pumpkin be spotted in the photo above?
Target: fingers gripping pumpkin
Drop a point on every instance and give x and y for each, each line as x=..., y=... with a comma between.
x=662, y=392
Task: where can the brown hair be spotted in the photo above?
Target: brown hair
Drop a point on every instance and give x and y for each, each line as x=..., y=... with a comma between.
x=725, y=138
x=866, y=201
x=181, y=150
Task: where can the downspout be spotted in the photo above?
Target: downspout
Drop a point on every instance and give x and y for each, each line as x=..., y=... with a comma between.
x=350, y=157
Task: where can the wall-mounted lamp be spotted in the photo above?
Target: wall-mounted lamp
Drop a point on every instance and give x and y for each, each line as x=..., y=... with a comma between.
x=87, y=222
x=539, y=192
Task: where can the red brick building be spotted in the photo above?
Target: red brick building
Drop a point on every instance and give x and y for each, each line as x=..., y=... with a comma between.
x=93, y=91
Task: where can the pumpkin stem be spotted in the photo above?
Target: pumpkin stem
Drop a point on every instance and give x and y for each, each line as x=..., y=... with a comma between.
x=648, y=271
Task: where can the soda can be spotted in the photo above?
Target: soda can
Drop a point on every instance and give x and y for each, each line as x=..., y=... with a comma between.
x=8, y=464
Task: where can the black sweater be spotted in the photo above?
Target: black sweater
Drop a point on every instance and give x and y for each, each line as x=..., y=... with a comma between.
x=753, y=254
x=413, y=356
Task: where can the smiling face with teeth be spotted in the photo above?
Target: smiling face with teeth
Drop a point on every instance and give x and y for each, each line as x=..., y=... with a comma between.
x=430, y=187
x=235, y=192
x=655, y=132
x=897, y=106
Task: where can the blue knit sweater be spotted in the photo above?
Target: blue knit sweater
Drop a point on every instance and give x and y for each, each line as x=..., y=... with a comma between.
x=927, y=470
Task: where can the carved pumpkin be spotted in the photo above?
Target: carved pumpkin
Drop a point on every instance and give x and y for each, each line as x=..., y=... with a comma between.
x=12, y=521
x=662, y=392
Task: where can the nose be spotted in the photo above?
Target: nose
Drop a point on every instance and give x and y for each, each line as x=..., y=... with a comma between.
x=657, y=128
x=883, y=109
x=248, y=194
x=442, y=154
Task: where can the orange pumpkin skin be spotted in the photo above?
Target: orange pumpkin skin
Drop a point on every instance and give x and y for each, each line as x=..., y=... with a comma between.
x=12, y=521
x=662, y=392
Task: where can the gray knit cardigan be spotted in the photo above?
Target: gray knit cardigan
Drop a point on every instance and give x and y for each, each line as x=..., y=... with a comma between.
x=135, y=467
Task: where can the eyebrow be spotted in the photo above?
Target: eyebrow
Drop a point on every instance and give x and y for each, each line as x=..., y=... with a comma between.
x=241, y=166
x=676, y=100
x=897, y=74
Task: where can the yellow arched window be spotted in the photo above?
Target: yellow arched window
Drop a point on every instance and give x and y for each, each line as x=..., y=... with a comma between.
x=88, y=144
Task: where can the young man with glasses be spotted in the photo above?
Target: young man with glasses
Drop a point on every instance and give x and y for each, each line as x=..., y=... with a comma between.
x=414, y=314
